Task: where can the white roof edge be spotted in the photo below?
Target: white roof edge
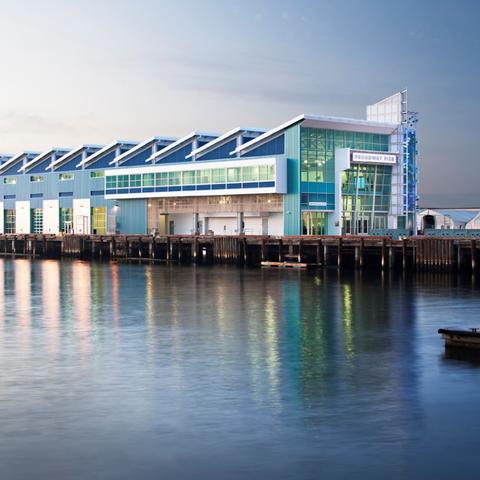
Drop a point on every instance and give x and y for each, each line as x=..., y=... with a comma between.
x=268, y=134
x=103, y=150
x=223, y=138
x=179, y=142
x=349, y=121
x=36, y=159
x=61, y=159
x=139, y=146
x=12, y=160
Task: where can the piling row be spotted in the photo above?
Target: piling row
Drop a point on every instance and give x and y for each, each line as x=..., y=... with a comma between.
x=414, y=253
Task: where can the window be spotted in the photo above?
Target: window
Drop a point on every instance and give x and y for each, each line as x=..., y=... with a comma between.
x=189, y=177
x=98, y=174
x=122, y=181
x=161, y=179
x=36, y=220
x=174, y=178
x=65, y=176
x=233, y=174
x=203, y=176
x=10, y=180
x=9, y=221
x=99, y=220
x=148, y=179
x=250, y=174
x=135, y=181
x=111, y=182
x=36, y=178
x=218, y=175
x=66, y=220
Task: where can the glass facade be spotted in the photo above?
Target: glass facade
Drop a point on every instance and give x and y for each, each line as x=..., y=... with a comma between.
x=99, y=220
x=314, y=223
x=66, y=220
x=36, y=218
x=9, y=220
x=249, y=176
x=66, y=176
x=317, y=157
x=366, y=192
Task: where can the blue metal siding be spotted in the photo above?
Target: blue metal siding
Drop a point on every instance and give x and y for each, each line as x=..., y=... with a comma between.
x=221, y=152
x=132, y=216
x=139, y=158
x=103, y=161
x=71, y=164
x=275, y=146
x=178, y=156
x=40, y=167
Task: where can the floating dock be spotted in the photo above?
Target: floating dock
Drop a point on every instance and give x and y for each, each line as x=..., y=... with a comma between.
x=413, y=253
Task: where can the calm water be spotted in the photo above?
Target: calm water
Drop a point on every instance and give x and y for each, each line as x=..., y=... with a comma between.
x=115, y=371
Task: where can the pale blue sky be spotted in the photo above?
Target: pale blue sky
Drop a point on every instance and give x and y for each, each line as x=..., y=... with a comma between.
x=88, y=71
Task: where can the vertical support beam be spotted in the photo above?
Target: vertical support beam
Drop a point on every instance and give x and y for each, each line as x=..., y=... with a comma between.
x=263, y=250
x=390, y=256
x=339, y=252
x=472, y=253
x=318, y=249
x=299, y=257
x=459, y=255
x=361, y=252
x=383, y=253
x=404, y=253
x=280, y=250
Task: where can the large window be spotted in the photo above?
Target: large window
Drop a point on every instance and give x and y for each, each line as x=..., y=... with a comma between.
x=36, y=178
x=204, y=176
x=37, y=220
x=97, y=174
x=10, y=180
x=66, y=220
x=9, y=220
x=99, y=220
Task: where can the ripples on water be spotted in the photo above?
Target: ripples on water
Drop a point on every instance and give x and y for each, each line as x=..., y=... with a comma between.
x=115, y=371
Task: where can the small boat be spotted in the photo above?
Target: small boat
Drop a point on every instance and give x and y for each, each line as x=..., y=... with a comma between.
x=461, y=338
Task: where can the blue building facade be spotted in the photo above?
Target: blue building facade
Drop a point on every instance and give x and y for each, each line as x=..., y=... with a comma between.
x=311, y=175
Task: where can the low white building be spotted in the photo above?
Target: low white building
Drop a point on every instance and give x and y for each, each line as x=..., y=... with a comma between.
x=448, y=219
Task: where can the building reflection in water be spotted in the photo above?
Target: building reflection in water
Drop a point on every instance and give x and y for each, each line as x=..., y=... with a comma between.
x=23, y=306
x=82, y=297
x=50, y=287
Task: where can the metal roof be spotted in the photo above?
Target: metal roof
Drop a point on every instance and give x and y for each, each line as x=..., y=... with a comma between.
x=459, y=216
x=222, y=139
x=141, y=146
x=105, y=150
x=178, y=144
x=42, y=156
x=70, y=155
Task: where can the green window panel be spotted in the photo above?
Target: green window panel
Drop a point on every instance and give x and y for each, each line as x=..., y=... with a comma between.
x=250, y=174
x=135, y=180
x=161, y=179
x=174, y=178
x=99, y=174
x=66, y=220
x=9, y=220
x=204, y=176
x=188, y=177
x=148, y=179
x=218, y=175
x=234, y=174
x=122, y=181
x=111, y=182
x=36, y=219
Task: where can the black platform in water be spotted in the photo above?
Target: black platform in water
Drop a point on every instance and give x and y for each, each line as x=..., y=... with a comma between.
x=461, y=338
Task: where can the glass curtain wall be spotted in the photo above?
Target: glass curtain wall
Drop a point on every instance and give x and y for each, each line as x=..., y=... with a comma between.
x=9, y=220
x=36, y=220
x=317, y=156
x=99, y=220
x=366, y=193
x=66, y=220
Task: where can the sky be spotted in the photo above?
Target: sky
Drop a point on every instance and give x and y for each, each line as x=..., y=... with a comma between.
x=93, y=71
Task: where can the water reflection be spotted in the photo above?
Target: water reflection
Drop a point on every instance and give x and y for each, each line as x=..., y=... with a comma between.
x=284, y=367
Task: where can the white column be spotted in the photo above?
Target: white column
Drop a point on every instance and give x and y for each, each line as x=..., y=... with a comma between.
x=51, y=216
x=81, y=215
x=2, y=213
x=342, y=162
x=22, y=212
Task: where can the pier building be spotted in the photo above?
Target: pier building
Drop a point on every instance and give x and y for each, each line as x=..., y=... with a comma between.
x=311, y=175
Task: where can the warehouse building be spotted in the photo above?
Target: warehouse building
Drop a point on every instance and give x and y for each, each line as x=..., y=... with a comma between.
x=310, y=175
